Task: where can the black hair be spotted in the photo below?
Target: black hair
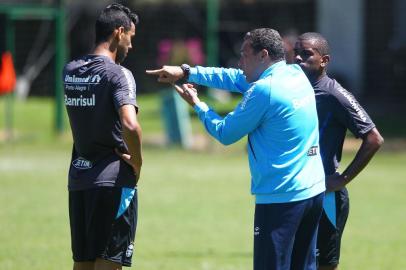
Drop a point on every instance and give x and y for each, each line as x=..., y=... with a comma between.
x=268, y=39
x=321, y=43
x=112, y=17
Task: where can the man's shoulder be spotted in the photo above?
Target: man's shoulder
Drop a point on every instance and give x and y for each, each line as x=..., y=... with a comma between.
x=330, y=86
x=338, y=92
x=115, y=70
x=261, y=86
x=74, y=64
x=345, y=100
x=88, y=62
x=290, y=77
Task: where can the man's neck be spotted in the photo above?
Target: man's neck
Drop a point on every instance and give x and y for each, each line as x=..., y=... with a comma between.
x=104, y=49
x=317, y=77
x=267, y=65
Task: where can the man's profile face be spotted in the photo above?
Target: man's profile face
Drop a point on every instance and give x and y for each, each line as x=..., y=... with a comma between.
x=124, y=44
x=308, y=57
x=249, y=61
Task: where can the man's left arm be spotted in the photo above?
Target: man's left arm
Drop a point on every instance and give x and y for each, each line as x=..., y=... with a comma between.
x=132, y=135
x=371, y=142
x=238, y=123
x=124, y=98
x=354, y=117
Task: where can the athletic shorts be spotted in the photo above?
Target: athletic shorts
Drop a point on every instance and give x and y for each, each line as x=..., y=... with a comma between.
x=285, y=234
x=103, y=222
x=331, y=227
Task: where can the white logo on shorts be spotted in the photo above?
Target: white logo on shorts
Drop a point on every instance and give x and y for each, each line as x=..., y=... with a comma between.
x=130, y=250
x=256, y=231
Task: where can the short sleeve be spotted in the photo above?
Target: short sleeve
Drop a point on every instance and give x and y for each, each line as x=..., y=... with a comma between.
x=351, y=114
x=123, y=88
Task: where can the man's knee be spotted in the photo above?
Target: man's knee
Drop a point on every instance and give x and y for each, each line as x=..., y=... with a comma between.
x=328, y=267
x=102, y=264
x=83, y=266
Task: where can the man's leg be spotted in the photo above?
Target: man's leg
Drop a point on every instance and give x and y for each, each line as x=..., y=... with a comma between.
x=83, y=266
x=101, y=264
x=103, y=227
x=331, y=228
x=330, y=267
x=304, y=248
x=275, y=227
x=117, y=245
x=77, y=218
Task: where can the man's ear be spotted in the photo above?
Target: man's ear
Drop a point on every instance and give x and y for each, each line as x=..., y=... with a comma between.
x=325, y=59
x=118, y=32
x=264, y=54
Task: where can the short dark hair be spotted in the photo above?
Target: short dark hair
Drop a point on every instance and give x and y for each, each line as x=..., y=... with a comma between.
x=112, y=17
x=321, y=42
x=268, y=39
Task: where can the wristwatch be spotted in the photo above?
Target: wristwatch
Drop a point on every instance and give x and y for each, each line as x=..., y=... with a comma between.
x=186, y=71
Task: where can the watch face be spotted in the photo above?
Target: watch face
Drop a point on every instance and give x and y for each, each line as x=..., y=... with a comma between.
x=186, y=69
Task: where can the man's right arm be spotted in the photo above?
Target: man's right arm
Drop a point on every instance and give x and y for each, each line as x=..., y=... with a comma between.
x=222, y=78
x=132, y=135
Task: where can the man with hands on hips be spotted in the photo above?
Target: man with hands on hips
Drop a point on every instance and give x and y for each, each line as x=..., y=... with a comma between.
x=278, y=113
x=338, y=111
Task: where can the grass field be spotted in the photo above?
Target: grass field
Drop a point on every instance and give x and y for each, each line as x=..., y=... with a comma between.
x=195, y=210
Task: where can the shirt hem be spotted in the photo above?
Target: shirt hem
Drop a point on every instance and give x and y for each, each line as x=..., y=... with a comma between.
x=293, y=196
x=87, y=187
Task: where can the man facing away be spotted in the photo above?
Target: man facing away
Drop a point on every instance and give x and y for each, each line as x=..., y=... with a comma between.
x=338, y=111
x=100, y=98
x=278, y=113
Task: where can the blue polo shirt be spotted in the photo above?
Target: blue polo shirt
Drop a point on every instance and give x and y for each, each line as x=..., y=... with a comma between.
x=278, y=113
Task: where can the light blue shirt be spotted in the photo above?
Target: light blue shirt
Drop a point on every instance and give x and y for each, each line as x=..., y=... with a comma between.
x=278, y=113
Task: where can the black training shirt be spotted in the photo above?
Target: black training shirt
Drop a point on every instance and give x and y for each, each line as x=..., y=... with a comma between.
x=337, y=110
x=95, y=88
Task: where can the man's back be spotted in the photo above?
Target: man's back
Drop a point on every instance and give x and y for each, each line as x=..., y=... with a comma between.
x=95, y=87
x=285, y=144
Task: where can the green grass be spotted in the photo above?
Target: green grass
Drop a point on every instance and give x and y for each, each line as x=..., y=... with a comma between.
x=195, y=210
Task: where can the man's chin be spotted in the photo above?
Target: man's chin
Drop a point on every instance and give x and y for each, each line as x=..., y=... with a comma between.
x=120, y=60
x=246, y=78
x=305, y=70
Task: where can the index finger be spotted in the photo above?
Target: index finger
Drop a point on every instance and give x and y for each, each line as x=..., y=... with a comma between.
x=178, y=89
x=154, y=72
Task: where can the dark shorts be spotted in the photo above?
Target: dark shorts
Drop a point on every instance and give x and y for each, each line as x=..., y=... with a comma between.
x=103, y=222
x=331, y=228
x=285, y=234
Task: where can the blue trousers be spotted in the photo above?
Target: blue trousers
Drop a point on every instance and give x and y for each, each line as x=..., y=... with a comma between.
x=285, y=234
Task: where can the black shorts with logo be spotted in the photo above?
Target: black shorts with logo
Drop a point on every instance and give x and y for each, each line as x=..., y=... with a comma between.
x=103, y=222
x=329, y=234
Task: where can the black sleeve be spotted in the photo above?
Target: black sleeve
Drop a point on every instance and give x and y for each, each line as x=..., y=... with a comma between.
x=350, y=113
x=123, y=88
